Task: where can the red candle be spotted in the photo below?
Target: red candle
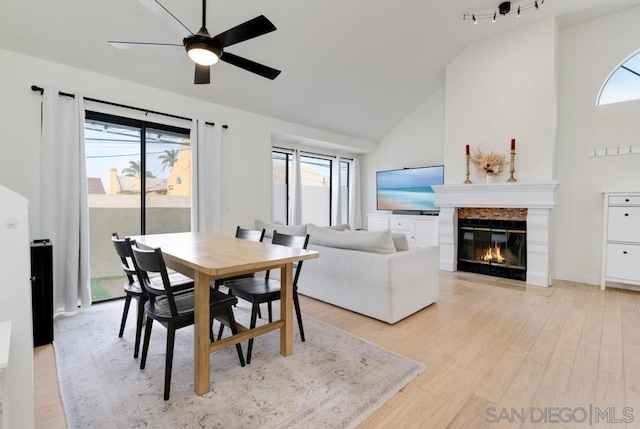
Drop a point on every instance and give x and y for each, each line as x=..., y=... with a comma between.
x=467, y=148
x=513, y=144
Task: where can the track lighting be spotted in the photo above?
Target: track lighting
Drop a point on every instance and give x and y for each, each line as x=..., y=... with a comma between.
x=503, y=9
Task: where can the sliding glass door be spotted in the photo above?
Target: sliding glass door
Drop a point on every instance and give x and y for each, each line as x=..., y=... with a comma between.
x=139, y=182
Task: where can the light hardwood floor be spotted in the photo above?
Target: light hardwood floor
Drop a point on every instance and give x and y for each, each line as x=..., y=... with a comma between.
x=487, y=344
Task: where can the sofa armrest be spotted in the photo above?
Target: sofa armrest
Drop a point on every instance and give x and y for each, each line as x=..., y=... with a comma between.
x=414, y=265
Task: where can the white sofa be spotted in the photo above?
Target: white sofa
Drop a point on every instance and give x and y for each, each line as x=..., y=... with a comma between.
x=363, y=272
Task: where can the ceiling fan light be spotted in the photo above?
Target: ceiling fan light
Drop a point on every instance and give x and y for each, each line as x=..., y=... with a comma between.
x=203, y=54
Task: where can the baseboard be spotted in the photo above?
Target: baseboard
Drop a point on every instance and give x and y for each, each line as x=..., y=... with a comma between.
x=578, y=277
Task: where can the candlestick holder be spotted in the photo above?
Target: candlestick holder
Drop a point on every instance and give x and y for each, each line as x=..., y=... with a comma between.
x=512, y=168
x=468, y=181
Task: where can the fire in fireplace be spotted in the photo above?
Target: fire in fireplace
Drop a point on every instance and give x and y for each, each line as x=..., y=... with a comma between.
x=493, y=247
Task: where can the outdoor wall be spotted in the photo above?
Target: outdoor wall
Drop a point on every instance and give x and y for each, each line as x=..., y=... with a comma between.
x=589, y=52
x=126, y=222
x=500, y=89
x=417, y=141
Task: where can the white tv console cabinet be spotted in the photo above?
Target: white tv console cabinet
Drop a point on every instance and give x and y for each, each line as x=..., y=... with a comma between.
x=621, y=240
x=421, y=231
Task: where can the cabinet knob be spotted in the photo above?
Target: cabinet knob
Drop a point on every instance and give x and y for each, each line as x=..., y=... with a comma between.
x=624, y=252
x=626, y=200
x=626, y=214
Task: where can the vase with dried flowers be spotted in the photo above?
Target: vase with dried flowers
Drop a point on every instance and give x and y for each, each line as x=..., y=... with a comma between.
x=488, y=165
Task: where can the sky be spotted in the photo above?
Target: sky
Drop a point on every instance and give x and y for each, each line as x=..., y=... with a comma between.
x=115, y=147
x=623, y=85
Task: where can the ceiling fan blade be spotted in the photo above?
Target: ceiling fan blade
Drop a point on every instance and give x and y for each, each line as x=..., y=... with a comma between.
x=252, y=66
x=143, y=45
x=203, y=74
x=156, y=8
x=245, y=31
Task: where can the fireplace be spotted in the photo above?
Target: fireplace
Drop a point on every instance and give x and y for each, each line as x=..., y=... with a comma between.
x=537, y=198
x=494, y=247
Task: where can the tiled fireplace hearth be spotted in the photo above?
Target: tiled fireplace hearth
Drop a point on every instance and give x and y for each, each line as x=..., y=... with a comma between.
x=489, y=201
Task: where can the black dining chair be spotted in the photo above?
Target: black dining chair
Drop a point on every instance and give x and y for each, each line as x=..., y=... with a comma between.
x=133, y=289
x=244, y=234
x=175, y=311
x=258, y=290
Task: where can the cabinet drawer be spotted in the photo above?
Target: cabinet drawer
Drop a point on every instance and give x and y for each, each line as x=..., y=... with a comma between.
x=622, y=200
x=623, y=261
x=624, y=224
x=400, y=224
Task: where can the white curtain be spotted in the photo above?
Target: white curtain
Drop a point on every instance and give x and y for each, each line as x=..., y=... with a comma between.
x=206, y=180
x=336, y=192
x=64, y=216
x=355, y=206
x=295, y=208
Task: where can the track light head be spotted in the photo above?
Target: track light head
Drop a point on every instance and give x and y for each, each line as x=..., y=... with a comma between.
x=504, y=7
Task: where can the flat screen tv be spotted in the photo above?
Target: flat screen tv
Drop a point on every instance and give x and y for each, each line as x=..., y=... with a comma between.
x=408, y=190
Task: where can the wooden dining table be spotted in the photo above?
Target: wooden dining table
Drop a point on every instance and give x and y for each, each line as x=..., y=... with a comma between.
x=205, y=257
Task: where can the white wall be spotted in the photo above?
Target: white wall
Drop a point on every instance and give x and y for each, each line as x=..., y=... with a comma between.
x=417, y=141
x=538, y=84
x=588, y=53
x=15, y=305
x=500, y=89
x=246, y=144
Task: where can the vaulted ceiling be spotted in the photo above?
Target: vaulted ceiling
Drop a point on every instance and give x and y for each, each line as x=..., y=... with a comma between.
x=354, y=67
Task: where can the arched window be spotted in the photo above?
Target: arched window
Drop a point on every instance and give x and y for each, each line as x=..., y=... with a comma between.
x=623, y=84
x=179, y=181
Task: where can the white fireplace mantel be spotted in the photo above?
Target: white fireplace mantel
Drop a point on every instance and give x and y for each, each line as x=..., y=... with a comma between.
x=537, y=197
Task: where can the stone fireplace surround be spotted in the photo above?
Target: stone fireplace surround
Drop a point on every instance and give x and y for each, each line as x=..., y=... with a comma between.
x=537, y=197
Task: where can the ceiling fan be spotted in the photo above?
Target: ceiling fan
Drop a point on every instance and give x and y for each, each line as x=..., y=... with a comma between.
x=205, y=50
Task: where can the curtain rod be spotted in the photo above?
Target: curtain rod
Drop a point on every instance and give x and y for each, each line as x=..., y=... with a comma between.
x=312, y=153
x=36, y=88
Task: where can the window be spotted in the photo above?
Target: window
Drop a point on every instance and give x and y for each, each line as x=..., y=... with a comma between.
x=125, y=200
x=623, y=84
x=318, y=191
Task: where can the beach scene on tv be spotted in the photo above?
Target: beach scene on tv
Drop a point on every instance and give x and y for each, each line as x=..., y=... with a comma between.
x=408, y=189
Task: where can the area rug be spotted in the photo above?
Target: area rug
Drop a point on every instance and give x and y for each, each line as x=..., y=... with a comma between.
x=333, y=380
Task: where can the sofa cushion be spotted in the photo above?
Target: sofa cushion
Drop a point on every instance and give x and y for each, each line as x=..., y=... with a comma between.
x=341, y=227
x=400, y=241
x=368, y=241
x=281, y=228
